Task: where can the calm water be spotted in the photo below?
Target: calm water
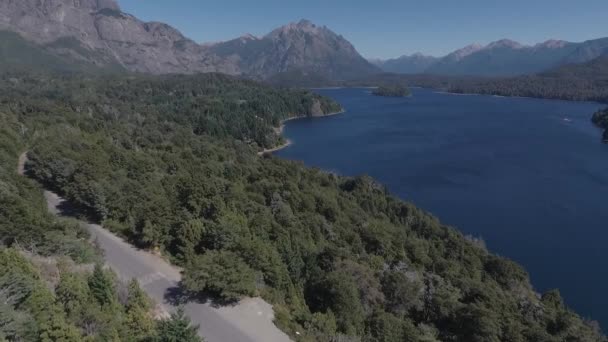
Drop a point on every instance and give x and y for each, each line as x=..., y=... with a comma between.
x=530, y=176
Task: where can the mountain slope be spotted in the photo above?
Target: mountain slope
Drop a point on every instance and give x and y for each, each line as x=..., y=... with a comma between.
x=98, y=32
x=504, y=58
x=579, y=82
x=299, y=46
x=16, y=53
x=413, y=64
x=596, y=69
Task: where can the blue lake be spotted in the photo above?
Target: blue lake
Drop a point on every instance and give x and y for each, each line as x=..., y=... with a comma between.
x=529, y=176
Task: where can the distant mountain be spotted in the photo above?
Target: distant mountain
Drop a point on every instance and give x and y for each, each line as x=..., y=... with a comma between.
x=507, y=58
x=413, y=64
x=301, y=46
x=589, y=50
x=594, y=70
x=460, y=54
x=504, y=57
x=98, y=33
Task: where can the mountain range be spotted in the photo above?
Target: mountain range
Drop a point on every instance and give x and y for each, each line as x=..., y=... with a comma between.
x=77, y=34
x=98, y=33
x=406, y=64
x=500, y=58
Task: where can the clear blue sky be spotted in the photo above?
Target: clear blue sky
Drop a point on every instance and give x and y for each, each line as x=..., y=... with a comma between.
x=387, y=28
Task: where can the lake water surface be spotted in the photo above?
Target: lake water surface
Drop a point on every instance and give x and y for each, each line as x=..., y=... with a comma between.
x=529, y=176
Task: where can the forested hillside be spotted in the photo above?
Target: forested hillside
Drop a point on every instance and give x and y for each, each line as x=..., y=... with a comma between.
x=600, y=118
x=49, y=289
x=170, y=163
x=578, y=82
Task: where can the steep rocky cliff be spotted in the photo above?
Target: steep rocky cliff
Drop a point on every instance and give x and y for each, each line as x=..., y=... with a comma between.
x=300, y=46
x=97, y=31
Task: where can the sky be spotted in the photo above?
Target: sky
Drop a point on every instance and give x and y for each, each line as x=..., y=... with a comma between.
x=387, y=28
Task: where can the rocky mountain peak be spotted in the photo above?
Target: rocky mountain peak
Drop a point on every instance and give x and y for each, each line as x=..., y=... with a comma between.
x=107, y=4
x=504, y=43
x=97, y=32
x=302, y=26
x=552, y=44
x=465, y=51
x=247, y=38
x=299, y=46
x=305, y=25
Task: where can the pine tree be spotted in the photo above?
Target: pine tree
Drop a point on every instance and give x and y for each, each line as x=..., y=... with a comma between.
x=101, y=286
x=139, y=320
x=178, y=329
x=137, y=297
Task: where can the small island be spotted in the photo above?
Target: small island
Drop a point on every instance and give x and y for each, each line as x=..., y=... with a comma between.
x=600, y=118
x=392, y=91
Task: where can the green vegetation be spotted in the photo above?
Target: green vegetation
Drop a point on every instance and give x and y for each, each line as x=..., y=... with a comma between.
x=573, y=89
x=49, y=301
x=392, y=91
x=600, y=118
x=170, y=163
x=46, y=290
x=17, y=54
x=576, y=82
x=177, y=329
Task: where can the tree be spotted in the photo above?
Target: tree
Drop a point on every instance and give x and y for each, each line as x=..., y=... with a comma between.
x=140, y=324
x=139, y=321
x=403, y=293
x=58, y=330
x=178, y=329
x=101, y=286
x=72, y=292
x=137, y=298
x=220, y=273
x=338, y=292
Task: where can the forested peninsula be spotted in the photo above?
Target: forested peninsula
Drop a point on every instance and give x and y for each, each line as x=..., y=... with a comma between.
x=392, y=91
x=600, y=118
x=170, y=163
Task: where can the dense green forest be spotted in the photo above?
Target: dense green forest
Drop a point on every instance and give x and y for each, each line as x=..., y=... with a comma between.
x=573, y=89
x=170, y=163
x=392, y=91
x=600, y=118
x=49, y=288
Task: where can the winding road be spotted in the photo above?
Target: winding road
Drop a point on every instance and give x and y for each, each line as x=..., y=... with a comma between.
x=249, y=321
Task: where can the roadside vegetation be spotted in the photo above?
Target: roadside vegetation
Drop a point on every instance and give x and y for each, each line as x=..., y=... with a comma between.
x=171, y=164
x=50, y=288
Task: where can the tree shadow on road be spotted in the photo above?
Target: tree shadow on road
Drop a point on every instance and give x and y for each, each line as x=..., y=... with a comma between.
x=179, y=295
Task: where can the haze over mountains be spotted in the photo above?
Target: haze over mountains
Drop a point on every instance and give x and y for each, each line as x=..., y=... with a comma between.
x=83, y=33
x=500, y=58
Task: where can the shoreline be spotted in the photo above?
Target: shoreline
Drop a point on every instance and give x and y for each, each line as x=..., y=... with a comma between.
x=279, y=131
